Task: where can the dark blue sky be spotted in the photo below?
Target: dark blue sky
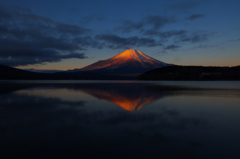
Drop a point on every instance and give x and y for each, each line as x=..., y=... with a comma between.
x=72, y=34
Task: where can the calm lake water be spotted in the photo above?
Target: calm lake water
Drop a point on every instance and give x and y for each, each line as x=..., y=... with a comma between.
x=120, y=119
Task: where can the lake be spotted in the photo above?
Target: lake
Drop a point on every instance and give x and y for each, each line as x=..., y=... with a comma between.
x=120, y=119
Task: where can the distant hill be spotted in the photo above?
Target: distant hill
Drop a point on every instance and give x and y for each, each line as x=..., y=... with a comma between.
x=10, y=73
x=192, y=73
x=7, y=73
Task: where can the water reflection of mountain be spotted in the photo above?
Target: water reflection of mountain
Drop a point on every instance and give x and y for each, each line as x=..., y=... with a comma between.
x=127, y=103
x=48, y=118
x=128, y=97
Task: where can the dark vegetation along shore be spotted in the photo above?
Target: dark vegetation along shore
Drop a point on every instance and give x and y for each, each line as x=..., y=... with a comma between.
x=10, y=73
x=174, y=73
x=193, y=73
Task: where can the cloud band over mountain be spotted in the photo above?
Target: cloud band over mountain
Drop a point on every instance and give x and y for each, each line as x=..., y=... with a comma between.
x=27, y=38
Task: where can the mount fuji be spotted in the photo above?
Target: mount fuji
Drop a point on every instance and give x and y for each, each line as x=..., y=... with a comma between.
x=129, y=62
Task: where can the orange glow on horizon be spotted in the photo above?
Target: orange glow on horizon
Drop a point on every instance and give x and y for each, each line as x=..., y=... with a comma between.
x=115, y=61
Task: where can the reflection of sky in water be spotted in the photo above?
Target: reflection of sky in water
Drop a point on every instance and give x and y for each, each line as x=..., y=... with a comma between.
x=63, y=94
x=119, y=120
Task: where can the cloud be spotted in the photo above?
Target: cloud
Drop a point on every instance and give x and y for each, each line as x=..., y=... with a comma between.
x=129, y=26
x=158, y=21
x=171, y=47
x=151, y=26
x=194, y=37
x=153, y=21
x=207, y=46
x=86, y=41
x=25, y=56
x=26, y=38
x=180, y=35
x=165, y=34
x=116, y=42
x=195, y=16
x=234, y=40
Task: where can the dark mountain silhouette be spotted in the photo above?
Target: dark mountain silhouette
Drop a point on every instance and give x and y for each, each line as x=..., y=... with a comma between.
x=9, y=73
x=192, y=73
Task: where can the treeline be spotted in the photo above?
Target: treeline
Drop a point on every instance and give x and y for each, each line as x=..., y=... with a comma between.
x=201, y=73
x=9, y=73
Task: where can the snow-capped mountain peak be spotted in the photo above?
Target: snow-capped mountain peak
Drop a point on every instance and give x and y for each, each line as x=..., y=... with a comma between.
x=127, y=60
x=135, y=55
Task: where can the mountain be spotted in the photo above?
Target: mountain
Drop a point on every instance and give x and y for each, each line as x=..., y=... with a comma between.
x=7, y=73
x=128, y=62
x=192, y=73
x=10, y=73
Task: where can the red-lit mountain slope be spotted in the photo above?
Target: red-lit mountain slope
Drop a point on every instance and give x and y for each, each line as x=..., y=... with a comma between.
x=129, y=61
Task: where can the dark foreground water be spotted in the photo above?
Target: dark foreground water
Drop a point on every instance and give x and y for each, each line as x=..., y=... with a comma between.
x=120, y=119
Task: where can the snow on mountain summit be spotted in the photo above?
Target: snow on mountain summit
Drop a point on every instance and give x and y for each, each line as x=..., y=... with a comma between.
x=136, y=55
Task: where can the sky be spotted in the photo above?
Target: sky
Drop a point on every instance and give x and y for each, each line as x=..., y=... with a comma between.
x=63, y=35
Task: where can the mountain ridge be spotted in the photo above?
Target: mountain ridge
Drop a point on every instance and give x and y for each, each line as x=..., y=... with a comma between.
x=11, y=73
x=192, y=73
